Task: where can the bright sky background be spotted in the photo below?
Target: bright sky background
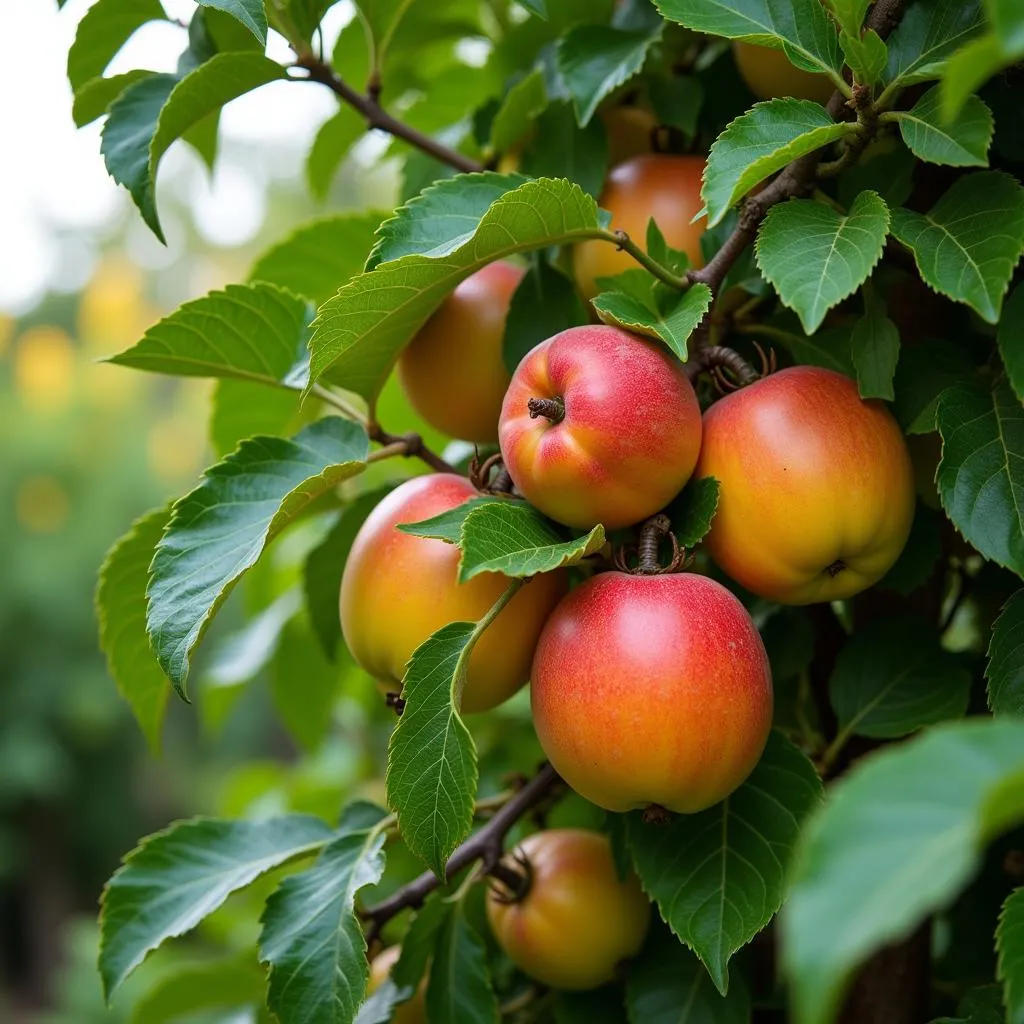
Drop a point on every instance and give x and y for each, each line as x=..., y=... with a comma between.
x=57, y=201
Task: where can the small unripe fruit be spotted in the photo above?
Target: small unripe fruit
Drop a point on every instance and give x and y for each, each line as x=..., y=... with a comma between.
x=769, y=73
x=656, y=185
x=453, y=372
x=817, y=486
x=414, y=1009
x=620, y=434
x=652, y=690
x=397, y=589
x=579, y=920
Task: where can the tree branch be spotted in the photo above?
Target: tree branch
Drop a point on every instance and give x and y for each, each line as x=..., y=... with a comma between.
x=377, y=117
x=486, y=845
x=411, y=445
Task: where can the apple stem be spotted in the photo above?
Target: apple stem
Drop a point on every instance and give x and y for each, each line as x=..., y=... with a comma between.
x=651, y=534
x=550, y=408
x=514, y=882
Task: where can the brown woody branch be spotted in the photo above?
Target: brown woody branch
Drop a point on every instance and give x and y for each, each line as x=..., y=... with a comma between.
x=377, y=117
x=412, y=446
x=486, y=846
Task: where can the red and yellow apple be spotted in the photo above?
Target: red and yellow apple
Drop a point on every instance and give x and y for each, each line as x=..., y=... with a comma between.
x=817, y=486
x=599, y=426
x=397, y=589
x=769, y=73
x=652, y=690
x=656, y=185
x=414, y=1009
x=578, y=920
x=453, y=371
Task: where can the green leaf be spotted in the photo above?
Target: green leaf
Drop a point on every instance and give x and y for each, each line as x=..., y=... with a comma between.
x=967, y=245
x=917, y=560
x=1005, y=669
x=937, y=800
x=667, y=984
x=242, y=409
x=561, y=149
x=892, y=677
x=544, y=304
x=960, y=142
x=103, y=30
x=889, y=172
x=359, y=332
x=866, y=55
x=923, y=373
x=331, y=144
x=719, y=876
x=815, y=257
x=673, y=327
x=311, y=936
x=1011, y=332
x=177, y=877
x=829, y=348
x=252, y=332
x=803, y=26
x=849, y=14
x=317, y=258
x=594, y=60
x=219, y=530
x=518, y=111
x=677, y=101
x=447, y=525
x=460, y=988
x=969, y=69
x=1010, y=947
x=220, y=984
x=761, y=142
x=929, y=32
x=692, y=511
x=981, y=475
x=875, y=348
x=121, y=611
x=1008, y=21
x=249, y=13
x=94, y=98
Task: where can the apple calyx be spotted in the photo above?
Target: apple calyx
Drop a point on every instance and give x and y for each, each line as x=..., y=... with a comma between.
x=511, y=884
x=655, y=814
x=550, y=408
x=835, y=568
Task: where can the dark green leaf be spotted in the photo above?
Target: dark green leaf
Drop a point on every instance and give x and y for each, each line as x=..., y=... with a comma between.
x=311, y=936
x=981, y=475
x=677, y=102
x=1010, y=947
x=719, y=876
x=917, y=560
x=538, y=7
x=691, y=513
x=459, y=991
x=103, y=30
x=249, y=13
x=561, y=149
x=1011, y=339
x=179, y=876
x=517, y=114
x=875, y=348
x=889, y=172
x=1005, y=670
x=219, y=530
x=672, y=326
x=936, y=800
x=929, y=32
x=960, y=142
x=923, y=373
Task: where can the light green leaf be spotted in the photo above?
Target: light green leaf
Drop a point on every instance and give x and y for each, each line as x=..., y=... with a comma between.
x=936, y=800
x=719, y=876
x=960, y=142
x=219, y=530
x=692, y=511
x=815, y=257
x=1008, y=21
x=981, y=475
x=359, y=333
x=875, y=348
x=928, y=34
x=673, y=327
x=94, y=98
x=518, y=111
x=447, y=525
x=849, y=14
x=761, y=142
x=866, y=55
x=596, y=59
x=969, y=69
x=311, y=936
x=967, y=245
x=460, y=987
x=802, y=25
x=249, y=13
x=1005, y=669
x=177, y=877
x=331, y=144
x=1011, y=339
x=242, y=409
x=1010, y=947
x=104, y=29
x=537, y=7
x=121, y=610
x=220, y=984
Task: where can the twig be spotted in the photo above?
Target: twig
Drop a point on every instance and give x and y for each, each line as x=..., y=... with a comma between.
x=377, y=117
x=486, y=845
x=712, y=357
x=414, y=446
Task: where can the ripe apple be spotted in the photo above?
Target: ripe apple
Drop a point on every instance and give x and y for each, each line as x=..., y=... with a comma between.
x=656, y=185
x=599, y=426
x=578, y=920
x=629, y=131
x=453, y=372
x=817, y=487
x=768, y=73
x=414, y=1009
x=652, y=690
x=397, y=589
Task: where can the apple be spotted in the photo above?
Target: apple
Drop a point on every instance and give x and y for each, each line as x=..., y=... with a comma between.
x=768, y=74
x=652, y=690
x=656, y=185
x=817, y=486
x=629, y=131
x=453, y=371
x=414, y=1009
x=578, y=919
x=599, y=426
x=397, y=589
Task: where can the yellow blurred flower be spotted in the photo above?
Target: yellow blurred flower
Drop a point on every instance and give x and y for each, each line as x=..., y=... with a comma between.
x=113, y=312
x=42, y=504
x=6, y=333
x=174, y=448
x=44, y=368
